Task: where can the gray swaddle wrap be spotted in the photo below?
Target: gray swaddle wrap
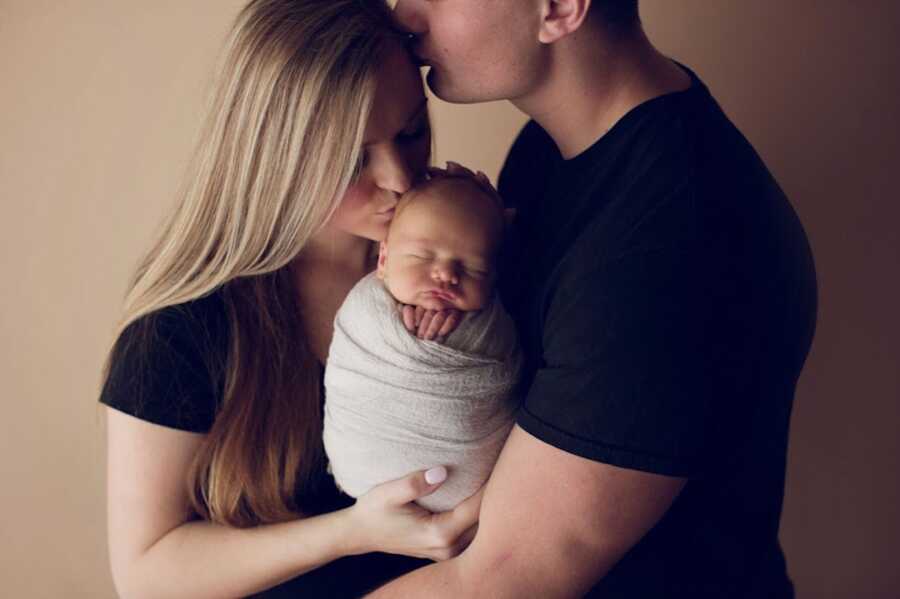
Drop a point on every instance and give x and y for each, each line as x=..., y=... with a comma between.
x=395, y=404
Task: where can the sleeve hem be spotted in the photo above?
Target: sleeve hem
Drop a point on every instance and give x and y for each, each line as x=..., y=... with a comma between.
x=600, y=452
x=187, y=428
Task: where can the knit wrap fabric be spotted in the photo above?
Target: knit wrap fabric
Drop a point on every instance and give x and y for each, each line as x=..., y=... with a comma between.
x=395, y=404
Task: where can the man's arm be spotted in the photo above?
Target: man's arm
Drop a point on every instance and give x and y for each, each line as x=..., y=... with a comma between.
x=552, y=524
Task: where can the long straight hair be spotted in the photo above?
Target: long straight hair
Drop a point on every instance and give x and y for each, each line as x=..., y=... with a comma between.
x=275, y=156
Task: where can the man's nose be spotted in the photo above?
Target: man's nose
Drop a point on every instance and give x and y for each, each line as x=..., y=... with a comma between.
x=410, y=16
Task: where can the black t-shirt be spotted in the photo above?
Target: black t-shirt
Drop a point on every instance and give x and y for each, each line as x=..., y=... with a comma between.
x=168, y=369
x=665, y=296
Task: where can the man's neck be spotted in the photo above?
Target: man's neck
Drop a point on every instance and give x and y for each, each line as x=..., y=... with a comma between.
x=595, y=79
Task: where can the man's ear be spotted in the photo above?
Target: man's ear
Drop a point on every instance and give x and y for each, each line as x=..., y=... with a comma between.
x=382, y=256
x=562, y=17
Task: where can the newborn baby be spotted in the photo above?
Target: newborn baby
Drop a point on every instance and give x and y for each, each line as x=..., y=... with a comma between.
x=394, y=403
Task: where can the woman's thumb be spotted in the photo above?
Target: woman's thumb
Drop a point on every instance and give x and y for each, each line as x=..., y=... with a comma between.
x=418, y=484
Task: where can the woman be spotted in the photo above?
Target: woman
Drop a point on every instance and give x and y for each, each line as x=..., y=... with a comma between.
x=216, y=481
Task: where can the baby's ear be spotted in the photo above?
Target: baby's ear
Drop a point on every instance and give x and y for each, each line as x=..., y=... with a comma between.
x=382, y=256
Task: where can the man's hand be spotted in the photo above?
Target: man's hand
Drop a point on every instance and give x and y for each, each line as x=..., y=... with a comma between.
x=431, y=325
x=551, y=525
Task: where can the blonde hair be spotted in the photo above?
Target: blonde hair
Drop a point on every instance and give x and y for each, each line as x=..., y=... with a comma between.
x=275, y=156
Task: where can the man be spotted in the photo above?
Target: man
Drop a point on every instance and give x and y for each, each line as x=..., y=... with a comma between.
x=665, y=295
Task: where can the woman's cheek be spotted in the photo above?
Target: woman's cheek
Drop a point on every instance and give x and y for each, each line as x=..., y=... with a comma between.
x=348, y=211
x=418, y=155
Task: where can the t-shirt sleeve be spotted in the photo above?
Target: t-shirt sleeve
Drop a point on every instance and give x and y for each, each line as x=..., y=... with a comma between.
x=628, y=374
x=161, y=370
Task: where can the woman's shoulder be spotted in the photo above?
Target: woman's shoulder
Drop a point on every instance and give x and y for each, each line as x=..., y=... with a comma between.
x=168, y=367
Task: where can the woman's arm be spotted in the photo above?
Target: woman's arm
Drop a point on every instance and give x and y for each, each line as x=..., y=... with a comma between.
x=155, y=551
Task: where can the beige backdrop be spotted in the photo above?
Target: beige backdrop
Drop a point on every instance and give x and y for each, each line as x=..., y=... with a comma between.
x=99, y=103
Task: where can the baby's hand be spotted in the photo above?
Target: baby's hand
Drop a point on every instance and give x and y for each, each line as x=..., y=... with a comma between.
x=432, y=325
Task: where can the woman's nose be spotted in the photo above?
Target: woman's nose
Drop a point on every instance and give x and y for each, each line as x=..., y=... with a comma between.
x=394, y=173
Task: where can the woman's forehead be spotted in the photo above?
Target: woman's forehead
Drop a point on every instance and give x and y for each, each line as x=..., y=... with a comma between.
x=399, y=96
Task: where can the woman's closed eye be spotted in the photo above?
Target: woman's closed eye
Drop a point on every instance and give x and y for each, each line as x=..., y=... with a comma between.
x=417, y=131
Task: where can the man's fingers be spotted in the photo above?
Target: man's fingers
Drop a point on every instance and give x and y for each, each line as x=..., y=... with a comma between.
x=454, y=168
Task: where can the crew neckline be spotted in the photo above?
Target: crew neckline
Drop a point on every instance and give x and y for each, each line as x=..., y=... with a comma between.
x=696, y=86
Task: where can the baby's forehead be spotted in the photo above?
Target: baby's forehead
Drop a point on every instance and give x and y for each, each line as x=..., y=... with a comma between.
x=448, y=196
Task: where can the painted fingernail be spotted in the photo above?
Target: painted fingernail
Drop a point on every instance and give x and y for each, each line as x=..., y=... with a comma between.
x=436, y=475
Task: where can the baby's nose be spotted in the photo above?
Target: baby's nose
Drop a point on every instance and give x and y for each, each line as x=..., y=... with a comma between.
x=445, y=273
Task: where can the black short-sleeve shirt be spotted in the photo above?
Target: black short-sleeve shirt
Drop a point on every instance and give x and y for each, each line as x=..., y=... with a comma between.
x=665, y=295
x=168, y=368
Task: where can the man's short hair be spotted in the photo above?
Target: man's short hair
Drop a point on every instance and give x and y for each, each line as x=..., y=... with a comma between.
x=620, y=15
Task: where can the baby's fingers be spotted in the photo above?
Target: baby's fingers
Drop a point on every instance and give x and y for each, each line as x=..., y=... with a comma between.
x=450, y=323
x=455, y=168
x=436, y=325
x=408, y=314
x=424, y=323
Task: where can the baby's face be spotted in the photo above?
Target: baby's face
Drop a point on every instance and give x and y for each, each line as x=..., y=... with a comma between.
x=441, y=249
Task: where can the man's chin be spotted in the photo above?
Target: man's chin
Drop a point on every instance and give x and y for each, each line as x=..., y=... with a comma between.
x=440, y=88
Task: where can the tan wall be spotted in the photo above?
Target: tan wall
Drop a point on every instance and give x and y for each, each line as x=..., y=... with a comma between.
x=99, y=103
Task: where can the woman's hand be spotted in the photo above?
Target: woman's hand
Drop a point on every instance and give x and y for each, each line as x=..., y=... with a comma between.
x=432, y=325
x=386, y=519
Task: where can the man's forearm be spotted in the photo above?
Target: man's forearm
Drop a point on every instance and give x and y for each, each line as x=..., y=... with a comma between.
x=439, y=580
